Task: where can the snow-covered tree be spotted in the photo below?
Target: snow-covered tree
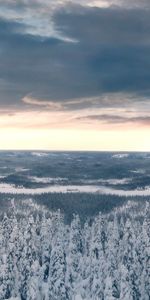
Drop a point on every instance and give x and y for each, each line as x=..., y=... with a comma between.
x=73, y=259
x=33, y=292
x=57, y=271
x=97, y=261
x=43, y=258
x=125, y=287
x=113, y=258
x=108, y=292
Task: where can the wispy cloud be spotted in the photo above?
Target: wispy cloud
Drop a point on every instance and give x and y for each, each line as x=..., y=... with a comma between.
x=116, y=119
x=42, y=103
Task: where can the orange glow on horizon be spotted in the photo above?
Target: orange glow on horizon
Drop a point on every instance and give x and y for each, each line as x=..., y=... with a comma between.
x=60, y=131
x=74, y=139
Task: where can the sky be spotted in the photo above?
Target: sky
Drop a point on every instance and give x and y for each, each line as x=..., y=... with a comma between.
x=75, y=75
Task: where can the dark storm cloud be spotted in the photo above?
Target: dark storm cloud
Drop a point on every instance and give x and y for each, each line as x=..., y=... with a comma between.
x=105, y=26
x=111, y=55
x=116, y=44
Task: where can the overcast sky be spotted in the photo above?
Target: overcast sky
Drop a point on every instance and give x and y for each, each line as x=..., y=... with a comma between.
x=75, y=74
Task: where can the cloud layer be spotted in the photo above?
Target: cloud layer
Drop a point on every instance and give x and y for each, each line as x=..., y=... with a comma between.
x=76, y=55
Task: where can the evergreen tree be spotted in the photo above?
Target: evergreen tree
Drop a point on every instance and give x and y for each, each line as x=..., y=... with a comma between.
x=108, y=292
x=43, y=258
x=112, y=258
x=57, y=270
x=74, y=269
x=125, y=288
x=97, y=261
x=33, y=292
x=86, y=268
x=145, y=246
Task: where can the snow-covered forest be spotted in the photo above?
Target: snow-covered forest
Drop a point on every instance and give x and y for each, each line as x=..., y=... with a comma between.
x=43, y=258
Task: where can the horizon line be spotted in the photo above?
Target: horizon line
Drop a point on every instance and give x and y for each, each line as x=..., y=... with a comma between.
x=65, y=150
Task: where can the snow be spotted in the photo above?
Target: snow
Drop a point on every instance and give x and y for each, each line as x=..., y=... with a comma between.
x=138, y=171
x=45, y=179
x=94, y=189
x=78, y=297
x=76, y=252
x=20, y=169
x=113, y=181
x=14, y=298
x=39, y=154
x=120, y=155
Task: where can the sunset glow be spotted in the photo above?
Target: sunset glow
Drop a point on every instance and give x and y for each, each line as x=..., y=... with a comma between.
x=74, y=75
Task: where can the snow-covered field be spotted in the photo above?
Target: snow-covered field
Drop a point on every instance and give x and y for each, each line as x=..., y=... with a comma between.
x=19, y=190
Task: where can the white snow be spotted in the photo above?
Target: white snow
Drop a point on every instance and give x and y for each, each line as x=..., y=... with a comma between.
x=20, y=169
x=12, y=189
x=45, y=179
x=14, y=298
x=39, y=154
x=113, y=181
x=78, y=297
x=138, y=171
x=120, y=155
